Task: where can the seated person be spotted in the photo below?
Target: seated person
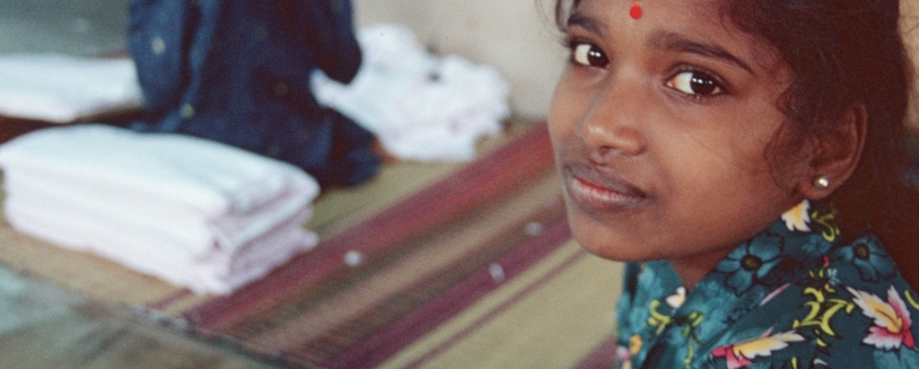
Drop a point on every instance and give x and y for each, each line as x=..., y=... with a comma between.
x=238, y=72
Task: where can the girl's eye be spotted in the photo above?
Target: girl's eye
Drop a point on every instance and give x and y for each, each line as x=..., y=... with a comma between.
x=695, y=83
x=588, y=55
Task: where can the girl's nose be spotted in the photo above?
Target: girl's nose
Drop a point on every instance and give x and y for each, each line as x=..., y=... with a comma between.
x=613, y=123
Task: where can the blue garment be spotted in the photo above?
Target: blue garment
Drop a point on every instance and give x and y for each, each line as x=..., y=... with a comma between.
x=793, y=296
x=238, y=72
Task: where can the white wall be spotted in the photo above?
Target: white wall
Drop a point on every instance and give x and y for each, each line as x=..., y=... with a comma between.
x=510, y=35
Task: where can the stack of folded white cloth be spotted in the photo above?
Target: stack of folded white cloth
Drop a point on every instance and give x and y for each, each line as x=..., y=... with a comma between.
x=60, y=88
x=421, y=106
x=192, y=212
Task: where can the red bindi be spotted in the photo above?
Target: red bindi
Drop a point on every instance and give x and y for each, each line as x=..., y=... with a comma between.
x=635, y=11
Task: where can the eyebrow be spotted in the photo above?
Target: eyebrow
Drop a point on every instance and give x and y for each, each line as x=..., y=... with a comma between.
x=665, y=40
x=586, y=22
x=670, y=41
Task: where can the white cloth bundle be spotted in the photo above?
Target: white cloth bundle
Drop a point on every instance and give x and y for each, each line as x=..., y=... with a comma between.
x=59, y=88
x=422, y=107
x=193, y=212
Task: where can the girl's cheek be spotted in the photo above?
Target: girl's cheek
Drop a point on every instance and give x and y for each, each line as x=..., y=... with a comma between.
x=563, y=111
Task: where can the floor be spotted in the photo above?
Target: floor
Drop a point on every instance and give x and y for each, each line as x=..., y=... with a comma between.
x=46, y=327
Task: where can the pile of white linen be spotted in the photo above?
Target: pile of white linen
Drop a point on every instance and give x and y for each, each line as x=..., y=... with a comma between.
x=59, y=88
x=192, y=212
x=421, y=106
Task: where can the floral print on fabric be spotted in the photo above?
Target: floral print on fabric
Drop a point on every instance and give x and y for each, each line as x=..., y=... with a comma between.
x=750, y=262
x=741, y=354
x=793, y=296
x=872, y=262
x=797, y=218
x=821, y=298
x=676, y=300
x=663, y=316
x=892, y=322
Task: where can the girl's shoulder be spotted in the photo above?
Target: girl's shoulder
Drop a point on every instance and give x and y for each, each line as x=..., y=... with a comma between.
x=842, y=306
x=856, y=310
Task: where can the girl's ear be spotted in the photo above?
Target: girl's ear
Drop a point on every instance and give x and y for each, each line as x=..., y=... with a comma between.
x=835, y=155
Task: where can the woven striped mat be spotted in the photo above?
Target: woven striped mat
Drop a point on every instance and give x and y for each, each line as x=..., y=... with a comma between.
x=477, y=269
x=422, y=278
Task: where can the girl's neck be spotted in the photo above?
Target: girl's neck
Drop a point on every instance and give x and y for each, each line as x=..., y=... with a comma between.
x=692, y=269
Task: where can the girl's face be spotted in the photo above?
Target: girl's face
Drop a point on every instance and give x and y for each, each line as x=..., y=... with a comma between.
x=660, y=128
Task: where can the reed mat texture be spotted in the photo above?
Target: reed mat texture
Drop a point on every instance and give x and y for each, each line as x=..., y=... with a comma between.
x=453, y=266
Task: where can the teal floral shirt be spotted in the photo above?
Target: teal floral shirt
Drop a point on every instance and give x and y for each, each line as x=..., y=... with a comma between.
x=790, y=297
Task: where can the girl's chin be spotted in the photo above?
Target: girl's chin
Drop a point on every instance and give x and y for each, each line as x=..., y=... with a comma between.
x=612, y=248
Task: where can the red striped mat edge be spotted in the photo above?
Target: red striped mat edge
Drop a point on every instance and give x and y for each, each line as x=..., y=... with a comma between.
x=489, y=177
x=494, y=313
x=376, y=349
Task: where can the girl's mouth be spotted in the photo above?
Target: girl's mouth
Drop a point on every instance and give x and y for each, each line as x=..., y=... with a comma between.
x=597, y=189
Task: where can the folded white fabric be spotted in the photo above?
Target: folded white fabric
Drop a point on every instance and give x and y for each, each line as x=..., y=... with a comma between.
x=193, y=212
x=59, y=88
x=422, y=107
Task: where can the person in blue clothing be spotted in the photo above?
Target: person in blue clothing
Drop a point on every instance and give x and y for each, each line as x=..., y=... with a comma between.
x=747, y=159
x=238, y=72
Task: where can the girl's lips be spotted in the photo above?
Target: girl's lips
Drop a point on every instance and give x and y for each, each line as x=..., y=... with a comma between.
x=599, y=189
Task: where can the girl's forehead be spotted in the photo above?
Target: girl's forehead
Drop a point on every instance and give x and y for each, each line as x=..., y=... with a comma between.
x=662, y=20
x=652, y=6
x=617, y=17
x=698, y=13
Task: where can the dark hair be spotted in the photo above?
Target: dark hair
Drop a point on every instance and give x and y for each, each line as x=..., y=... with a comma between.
x=844, y=54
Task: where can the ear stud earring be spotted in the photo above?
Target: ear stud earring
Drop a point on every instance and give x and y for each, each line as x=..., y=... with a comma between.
x=635, y=11
x=822, y=182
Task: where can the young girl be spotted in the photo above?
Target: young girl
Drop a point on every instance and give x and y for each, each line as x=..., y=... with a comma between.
x=747, y=158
